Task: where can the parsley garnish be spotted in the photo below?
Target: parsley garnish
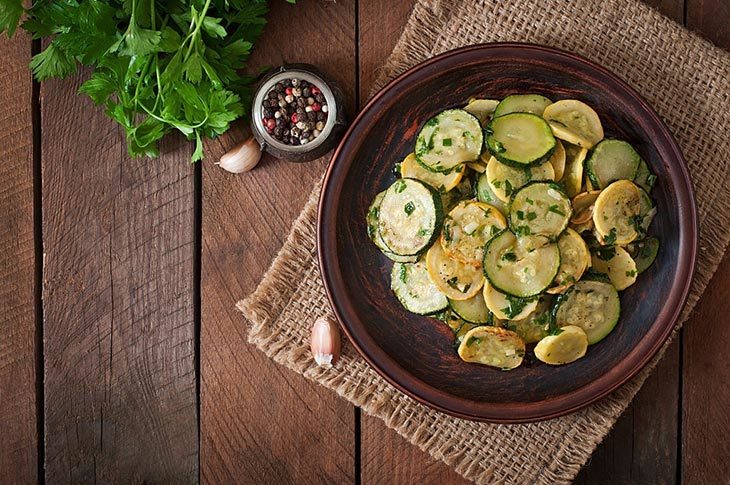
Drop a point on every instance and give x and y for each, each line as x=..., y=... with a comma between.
x=409, y=208
x=610, y=238
x=497, y=183
x=403, y=273
x=515, y=305
x=157, y=67
x=607, y=253
x=400, y=186
x=520, y=215
x=522, y=231
x=473, y=340
x=498, y=147
x=446, y=142
x=422, y=232
x=631, y=273
x=531, y=216
x=507, y=188
x=509, y=256
x=529, y=200
x=554, y=209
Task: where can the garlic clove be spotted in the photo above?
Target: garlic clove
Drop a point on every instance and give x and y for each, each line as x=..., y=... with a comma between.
x=241, y=158
x=325, y=342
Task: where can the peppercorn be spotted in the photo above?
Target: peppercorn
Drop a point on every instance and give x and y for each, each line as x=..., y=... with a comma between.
x=321, y=116
x=278, y=131
x=301, y=102
x=279, y=87
x=306, y=92
x=319, y=97
x=272, y=94
x=312, y=116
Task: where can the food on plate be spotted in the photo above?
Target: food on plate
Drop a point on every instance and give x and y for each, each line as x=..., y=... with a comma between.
x=516, y=223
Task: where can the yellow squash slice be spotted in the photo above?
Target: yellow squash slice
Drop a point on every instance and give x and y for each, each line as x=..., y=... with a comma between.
x=574, y=260
x=557, y=160
x=506, y=307
x=455, y=279
x=467, y=228
x=492, y=346
x=409, y=168
x=614, y=213
x=567, y=346
x=575, y=122
x=573, y=176
x=617, y=264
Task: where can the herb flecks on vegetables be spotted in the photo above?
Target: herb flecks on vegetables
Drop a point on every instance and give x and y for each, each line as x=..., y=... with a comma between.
x=157, y=66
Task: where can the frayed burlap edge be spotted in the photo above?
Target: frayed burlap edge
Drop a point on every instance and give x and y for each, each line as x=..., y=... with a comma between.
x=378, y=398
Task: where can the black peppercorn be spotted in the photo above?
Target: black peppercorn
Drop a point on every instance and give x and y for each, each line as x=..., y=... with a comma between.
x=273, y=94
x=312, y=116
x=279, y=87
x=321, y=116
x=278, y=131
x=320, y=98
x=306, y=92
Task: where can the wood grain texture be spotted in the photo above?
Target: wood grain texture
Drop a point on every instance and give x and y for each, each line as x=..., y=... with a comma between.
x=120, y=384
x=385, y=456
x=18, y=440
x=706, y=386
x=710, y=19
x=262, y=423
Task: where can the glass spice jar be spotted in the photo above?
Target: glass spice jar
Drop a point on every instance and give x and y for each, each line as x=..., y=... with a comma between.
x=310, y=118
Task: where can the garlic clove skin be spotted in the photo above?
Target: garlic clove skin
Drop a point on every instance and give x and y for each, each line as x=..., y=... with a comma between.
x=325, y=342
x=242, y=158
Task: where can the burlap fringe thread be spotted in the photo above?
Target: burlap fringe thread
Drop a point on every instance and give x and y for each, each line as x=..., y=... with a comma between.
x=689, y=87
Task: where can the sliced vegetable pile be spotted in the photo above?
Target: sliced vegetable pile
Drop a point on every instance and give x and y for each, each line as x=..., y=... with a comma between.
x=517, y=223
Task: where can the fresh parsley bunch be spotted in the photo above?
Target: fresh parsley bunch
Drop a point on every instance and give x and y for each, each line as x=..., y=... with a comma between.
x=158, y=65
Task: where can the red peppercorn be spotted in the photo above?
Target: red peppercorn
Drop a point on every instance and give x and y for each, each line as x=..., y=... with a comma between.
x=315, y=90
x=270, y=124
x=288, y=91
x=294, y=118
x=316, y=107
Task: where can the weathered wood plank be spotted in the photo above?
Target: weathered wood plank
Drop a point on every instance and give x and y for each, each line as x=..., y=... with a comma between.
x=386, y=456
x=261, y=423
x=711, y=19
x=18, y=440
x=120, y=383
x=706, y=385
x=642, y=447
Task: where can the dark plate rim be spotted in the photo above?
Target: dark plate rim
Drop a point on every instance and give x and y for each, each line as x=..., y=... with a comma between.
x=519, y=412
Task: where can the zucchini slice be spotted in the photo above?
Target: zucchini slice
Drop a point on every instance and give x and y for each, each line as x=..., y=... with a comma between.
x=644, y=176
x=456, y=280
x=536, y=325
x=611, y=160
x=507, y=307
x=539, y=208
x=483, y=109
x=575, y=258
x=566, y=346
x=583, y=205
x=644, y=253
x=522, y=103
x=486, y=194
x=615, y=212
x=449, y=139
x=505, y=179
x=647, y=211
x=410, y=217
x=520, y=139
x=414, y=289
x=443, y=182
x=557, y=160
x=616, y=263
x=518, y=270
x=573, y=176
x=492, y=346
x=574, y=122
x=593, y=306
x=374, y=235
x=467, y=229
x=473, y=310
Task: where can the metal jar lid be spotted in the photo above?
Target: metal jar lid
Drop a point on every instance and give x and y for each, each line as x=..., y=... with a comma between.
x=334, y=126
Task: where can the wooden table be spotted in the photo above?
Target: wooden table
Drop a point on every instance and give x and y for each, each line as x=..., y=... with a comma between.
x=122, y=357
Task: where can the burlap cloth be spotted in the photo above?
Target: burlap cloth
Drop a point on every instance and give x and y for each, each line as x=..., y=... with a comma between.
x=683, y=77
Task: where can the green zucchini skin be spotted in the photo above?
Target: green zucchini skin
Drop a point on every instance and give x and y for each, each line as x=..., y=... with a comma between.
x=645, y=178
x=465, y=140
x=415, y=291
x=496, y=135
x=438, y=216
x=466, y=311
x=522, y=103
x=374, y=235
x=611, y=160
x=644, y=253
x=517, y=225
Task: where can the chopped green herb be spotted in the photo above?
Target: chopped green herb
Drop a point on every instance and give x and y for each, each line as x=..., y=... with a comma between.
x=494, y=230
x=452, y=283
x=467, y=134
x=520, y=215
x=498, y=147
x=509, y=256
x=396, y=168
x=497, y=183
x=507, y=188
x=446, y=142
x=433, y=121
x=522, y=231
x=531, y=216
x=610, y=238
x=631, y=273
x=409, y=208
x=555, y=210
x=515, y=305
x=422, y=232
x=400, y=186
x=473, y=340
x=529, y=200
x=650, y=179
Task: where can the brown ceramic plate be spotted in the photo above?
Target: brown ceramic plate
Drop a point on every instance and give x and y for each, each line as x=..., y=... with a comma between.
x=415, y=353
